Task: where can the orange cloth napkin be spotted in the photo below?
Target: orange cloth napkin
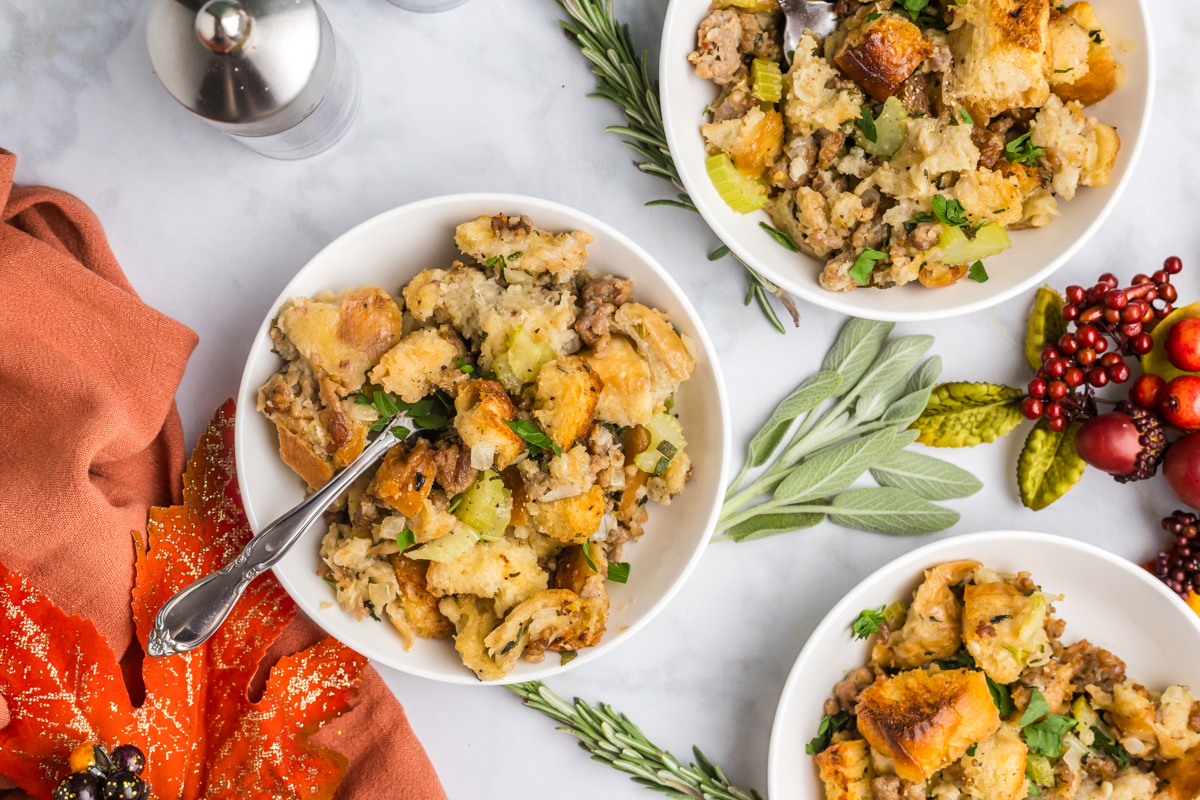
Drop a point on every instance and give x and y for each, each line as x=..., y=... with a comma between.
x=90, y=438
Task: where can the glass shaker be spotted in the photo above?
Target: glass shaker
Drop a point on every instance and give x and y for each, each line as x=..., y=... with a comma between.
x=272, y=74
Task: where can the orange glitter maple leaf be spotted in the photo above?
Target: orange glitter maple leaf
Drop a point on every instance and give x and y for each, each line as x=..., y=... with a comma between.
x=201, y=734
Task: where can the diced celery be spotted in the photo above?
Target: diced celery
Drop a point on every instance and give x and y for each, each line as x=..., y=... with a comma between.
x=666, y=442
x=891, y=129
x=526, y=355
x=895, y=614
x=504, y=373
x=448, y=547
x=1039, y=769
x=743, y=194
x=958, y=249
x=766, y=80
x=1082, y=710
x=486, y=506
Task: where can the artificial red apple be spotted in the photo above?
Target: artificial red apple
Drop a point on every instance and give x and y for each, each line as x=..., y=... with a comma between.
x=1182, y=469
x=1183, y=345
x=1181, y=402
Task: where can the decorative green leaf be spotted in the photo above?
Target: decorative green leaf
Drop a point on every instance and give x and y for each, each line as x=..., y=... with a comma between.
x=832, y=470
x=765, y=525
x=889, y=510
x=807, y=396
x=925, y=476
x=904, y=439
x=904, y=411
x=966, y=414
x=1048, y=465
x=893, y=364
x=925, y=376
x=869, y=408
x=1044, y=324
x=855, y=349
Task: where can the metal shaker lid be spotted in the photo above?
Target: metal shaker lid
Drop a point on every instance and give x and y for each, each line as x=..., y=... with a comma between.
x=250, y=67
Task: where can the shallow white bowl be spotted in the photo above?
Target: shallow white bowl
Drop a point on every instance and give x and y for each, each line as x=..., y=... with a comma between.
x=1035, y=254
x=388, y=251
x=1111, y=602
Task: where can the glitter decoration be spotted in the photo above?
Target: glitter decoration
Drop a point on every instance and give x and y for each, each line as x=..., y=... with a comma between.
x=200, y=734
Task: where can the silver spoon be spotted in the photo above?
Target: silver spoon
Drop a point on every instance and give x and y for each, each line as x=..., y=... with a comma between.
x=805, y=15
x=188, y=619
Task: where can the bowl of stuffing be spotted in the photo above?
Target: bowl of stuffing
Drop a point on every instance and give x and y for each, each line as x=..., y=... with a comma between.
x=565, y=447
x=953, y=152
x=997, y=666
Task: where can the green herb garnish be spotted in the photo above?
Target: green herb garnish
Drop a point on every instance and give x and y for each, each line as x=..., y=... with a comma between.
x=971, y=750
x=1023, y=151
x=874, y=15
x=567, y=656
x=618, y=572
x=1043, y=731
x=406, y=539
x=1096, y=36
x=962, y=118
x=1001, y=697
x=866, y=124
x=465, y=366
x=949, y=212
x=1113, y=748
x=960, y=659
x=515, y=256
x=587, y=553
x=830, y=724
x=431, y=412
x=1037, y=708
x=533, y=435
x=779, y=236
x=977, y=273
x=329, y=580
x=864, y=264
x=869, y=621
x=508, y=647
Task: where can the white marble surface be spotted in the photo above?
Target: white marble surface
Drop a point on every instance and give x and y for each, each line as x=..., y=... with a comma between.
x=491, y=96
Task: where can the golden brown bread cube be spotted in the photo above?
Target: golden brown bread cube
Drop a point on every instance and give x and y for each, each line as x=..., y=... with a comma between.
x=420, y=606
x=999, y=624
x=483, y=413
x=425, y=360
x=565, y=400
x=1182, y=776
x=473, y=621
x=1104, y=75
x=996, y=770
x=625, y=399
x=926, y=720
x=931, y=629
x=536, y=624
x=845, y=769
x=342, y=336
x=880, y=55
x=1001, y=54
x=522, y=247
x=405, y=477
x=317, y=435
x=505, y=571
x=571, y=519
x=575, y=574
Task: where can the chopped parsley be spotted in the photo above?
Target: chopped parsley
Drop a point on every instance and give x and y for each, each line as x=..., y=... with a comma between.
x=465, y=366
x=1001, y=697
x=533, y=436
x=861, y=271
x=949, y=212
x=494, y=261
x=329, y=580
x=515, y=255
x=406, y=539
x=618, y=572
x=454, y=503
x=830, y=724
x=869, y=621
x=866, y=124
x=1096, y=36
x=874, y=15
x=1022, y=151
x=431, y=413
x=971, y=750
x=962, y=118
x=780, y=237
x=1037, y=708
x=1061, y=71
x=1104, y=743
x=1043, y=731
x=567, y=656
x=977, y=273
x=520, y=632
x=587, y=553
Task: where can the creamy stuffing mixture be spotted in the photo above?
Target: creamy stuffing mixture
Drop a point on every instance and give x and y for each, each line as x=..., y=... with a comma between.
x=971, y=694
x=542, y=398
x=905, y=145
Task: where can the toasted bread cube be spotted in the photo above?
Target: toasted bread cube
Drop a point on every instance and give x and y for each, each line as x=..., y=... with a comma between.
x=473, y=620
x=753, y=141
x=565, y=399
x=881, y=54
x=1069, y=46
x=405, y=478
x=299, y=454
x=536, y=624
x=1182, y=776
x=575, y=574
x=926, y=720
x=988, y=197
x=546, y=315
x=571, y=519
x=931, y=628
x=1001, y=54
x=810, y=103
x=505, y=571
x=317, y=434
x=457, y=296
x=1003, y=629
x=1104, y=75
x=626, y=399
x=997, y=769
x=425, y=360
x=1083, y=150
x=1098, y=168
x=418, y=605
x=342, y=336
x=514, y=244
x=483, y=410
x=845, y=769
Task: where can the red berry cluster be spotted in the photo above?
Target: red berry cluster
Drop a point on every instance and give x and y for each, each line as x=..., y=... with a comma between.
x=1063, y=389
x=1179, y=566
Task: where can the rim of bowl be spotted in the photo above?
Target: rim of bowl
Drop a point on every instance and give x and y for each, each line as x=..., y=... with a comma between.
x=830, y=300
x=597, y=227
x=906, y=564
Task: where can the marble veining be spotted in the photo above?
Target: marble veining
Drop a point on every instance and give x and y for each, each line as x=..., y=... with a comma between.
x=492, y=96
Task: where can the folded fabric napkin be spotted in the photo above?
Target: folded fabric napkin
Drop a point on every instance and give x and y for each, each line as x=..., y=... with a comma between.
x=90, y=438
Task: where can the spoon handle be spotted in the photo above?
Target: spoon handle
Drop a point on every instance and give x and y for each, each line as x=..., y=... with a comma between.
x=189, y=618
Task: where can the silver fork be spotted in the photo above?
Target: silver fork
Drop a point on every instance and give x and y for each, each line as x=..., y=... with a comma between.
x=188, y=619
x=805, y=15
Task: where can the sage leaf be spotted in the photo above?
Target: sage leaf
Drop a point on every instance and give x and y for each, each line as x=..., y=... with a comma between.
x=869, y=408
x=904, y=412
x=1048, y=465
x=855, y=349
x=770, y=524
x=1044, y=324
x=832, y=470
x=925, y=375
x=893, y=364
x=925, y=476
x=807, y=396
x=904, y=439
x=966, y=414
x=889, y=510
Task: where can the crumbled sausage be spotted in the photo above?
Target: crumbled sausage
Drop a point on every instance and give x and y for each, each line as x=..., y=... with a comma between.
x=717, y=56
x=914, y=94
x=831, y=144
x=990, y=144
x=893, y=787
x=1097, y=667
x=601, y=297
x=1101, y=767
x=925, y=235
x=848, y=690
x=454, y=470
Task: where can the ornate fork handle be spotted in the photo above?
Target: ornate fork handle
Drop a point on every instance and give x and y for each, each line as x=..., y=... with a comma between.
x=189, y=618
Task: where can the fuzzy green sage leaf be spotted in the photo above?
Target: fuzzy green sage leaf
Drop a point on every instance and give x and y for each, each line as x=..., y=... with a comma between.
x=1048, y=465
x=764, y=525
x=855, y=349
x=967, y=414
x=1045, y=324
x=889, y=510
x=807, y=396
x=925, y=476
x=833, y=470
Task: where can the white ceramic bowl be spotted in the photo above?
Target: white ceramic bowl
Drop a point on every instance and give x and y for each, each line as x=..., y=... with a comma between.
x=388, y=251
x=1111, y=602
x=1035, y=254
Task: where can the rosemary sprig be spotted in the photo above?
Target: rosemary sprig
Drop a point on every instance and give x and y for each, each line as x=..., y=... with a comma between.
x=624, y=78
x=612, y=739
